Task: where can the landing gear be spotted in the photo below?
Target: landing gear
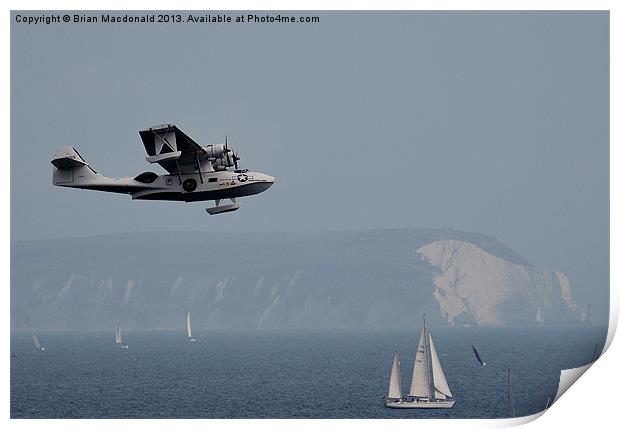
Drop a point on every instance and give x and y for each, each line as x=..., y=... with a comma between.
x=223, y=209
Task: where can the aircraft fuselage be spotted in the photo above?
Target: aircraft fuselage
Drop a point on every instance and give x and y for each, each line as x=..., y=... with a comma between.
x=204, y=186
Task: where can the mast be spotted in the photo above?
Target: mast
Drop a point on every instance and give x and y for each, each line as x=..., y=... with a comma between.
x=429, y=363
x=511, y=406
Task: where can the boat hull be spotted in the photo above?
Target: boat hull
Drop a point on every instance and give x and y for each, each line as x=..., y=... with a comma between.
x=419, y=404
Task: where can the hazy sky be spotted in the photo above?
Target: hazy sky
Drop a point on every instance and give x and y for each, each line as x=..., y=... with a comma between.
x=487, y=122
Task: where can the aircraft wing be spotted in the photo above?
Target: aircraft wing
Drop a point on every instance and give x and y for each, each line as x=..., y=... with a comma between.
x=171, y=148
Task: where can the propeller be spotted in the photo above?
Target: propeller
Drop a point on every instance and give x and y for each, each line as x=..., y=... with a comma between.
x=235, y=159
x=226, y=150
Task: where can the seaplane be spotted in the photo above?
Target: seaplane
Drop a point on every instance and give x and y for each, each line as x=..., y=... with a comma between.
x=194, y=172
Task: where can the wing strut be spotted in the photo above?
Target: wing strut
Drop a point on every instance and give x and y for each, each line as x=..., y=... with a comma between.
x=198, y=165
x=176, y=161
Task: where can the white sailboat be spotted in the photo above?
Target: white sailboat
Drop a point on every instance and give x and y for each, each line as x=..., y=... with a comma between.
x=119, y=337
x=35, y=340
x=429, y=387
x=189, y=328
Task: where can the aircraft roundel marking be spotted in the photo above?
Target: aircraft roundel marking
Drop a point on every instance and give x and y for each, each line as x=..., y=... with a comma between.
x=242, y=177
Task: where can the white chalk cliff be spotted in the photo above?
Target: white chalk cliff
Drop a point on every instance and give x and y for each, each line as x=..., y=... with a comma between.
x=474, y=286
x=380, y=278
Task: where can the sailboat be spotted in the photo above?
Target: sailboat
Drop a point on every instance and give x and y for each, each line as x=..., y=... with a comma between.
x=429, y=387
x=35, y=340
x=119, y=337
x=483, y=363
x=189, y=328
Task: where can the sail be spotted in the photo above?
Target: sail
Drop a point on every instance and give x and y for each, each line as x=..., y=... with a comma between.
x=478, y=356
x=36, y=341
x=34, y=337
x=439, y=379
x=394, y=389
x=189, y=325
x=421, y=367
x=119, y=336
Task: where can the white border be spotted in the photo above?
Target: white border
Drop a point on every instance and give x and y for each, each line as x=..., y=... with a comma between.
x=578, y=407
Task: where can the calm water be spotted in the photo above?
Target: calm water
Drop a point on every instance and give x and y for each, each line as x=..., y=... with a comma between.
x=284, y=374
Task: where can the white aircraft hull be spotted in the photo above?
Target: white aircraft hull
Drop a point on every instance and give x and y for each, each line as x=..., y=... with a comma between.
x=168, y=187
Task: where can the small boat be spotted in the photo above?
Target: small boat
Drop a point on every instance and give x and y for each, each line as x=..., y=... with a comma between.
x=483, y=363
x=189, y=328
x=119, y=337
x=35, y=340
x=429, y=387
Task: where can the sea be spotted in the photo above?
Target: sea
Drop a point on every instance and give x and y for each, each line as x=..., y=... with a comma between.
x=287, y=373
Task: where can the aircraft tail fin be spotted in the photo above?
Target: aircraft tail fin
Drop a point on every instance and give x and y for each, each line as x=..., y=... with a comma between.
x=68, y=162
x=68, y=157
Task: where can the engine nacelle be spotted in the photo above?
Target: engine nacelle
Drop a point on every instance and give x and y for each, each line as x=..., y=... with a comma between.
x=214, y=151
x=226, y=160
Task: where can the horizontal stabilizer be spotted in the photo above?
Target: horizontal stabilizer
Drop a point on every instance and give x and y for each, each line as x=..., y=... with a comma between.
x=68, y=157
x=71, y=169
x=223, y=209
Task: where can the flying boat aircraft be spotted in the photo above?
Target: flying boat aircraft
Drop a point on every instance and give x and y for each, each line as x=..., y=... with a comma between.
x=195, y=173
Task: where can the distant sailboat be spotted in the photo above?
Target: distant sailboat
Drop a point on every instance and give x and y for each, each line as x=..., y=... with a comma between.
x=483, y=363
x=35, y=340
x=189, y=328
x=429, y=387
x=119, y=337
